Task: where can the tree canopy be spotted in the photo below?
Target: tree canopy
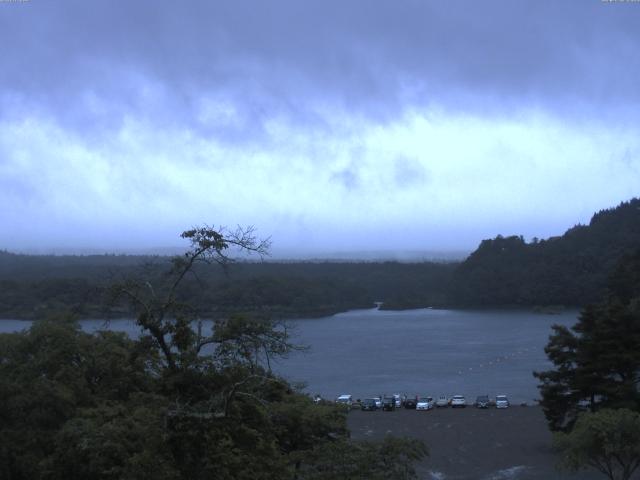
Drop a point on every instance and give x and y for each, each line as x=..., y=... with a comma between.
x=571, y=269
x=608, y=441
x=597, y=361
x=176, y=403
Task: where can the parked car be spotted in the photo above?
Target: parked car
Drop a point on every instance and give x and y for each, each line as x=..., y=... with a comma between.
x=482, y=401
x=410, y=402
x=442, y=401
x=388, y=404
x=502, y=401
x=378, y=401
x=369, y=404
x=345, y=400
x=458, y=401
x=398, y=398
x=425, y=403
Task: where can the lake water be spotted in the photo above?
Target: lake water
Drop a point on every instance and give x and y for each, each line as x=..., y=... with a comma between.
x=425, y=352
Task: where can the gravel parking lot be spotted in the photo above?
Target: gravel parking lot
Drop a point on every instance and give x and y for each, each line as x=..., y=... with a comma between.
x=471, y=443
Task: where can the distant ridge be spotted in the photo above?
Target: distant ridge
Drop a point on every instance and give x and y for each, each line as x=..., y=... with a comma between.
x=402, y=256
x=282, y=255
x=569, y=270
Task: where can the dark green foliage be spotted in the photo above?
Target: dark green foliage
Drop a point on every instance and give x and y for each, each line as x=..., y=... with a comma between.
x=597, y=362
x=51, y=374
x=568, y=270
x=178, y=403
x=121, y=441
x=77, y=406
x=608, y=441
x=30, y=285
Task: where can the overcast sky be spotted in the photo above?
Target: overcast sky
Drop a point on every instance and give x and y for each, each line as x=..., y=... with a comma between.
x=329, y=125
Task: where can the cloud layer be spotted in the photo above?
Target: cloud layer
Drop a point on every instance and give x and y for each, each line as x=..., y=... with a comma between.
x=328, y=125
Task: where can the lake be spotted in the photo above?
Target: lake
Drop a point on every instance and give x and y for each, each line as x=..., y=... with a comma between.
x=426, y=352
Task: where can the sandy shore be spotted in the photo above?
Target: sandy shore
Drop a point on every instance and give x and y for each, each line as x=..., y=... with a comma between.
x=471, y=443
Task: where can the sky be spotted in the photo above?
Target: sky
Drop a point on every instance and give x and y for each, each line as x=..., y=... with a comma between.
x=331, y=126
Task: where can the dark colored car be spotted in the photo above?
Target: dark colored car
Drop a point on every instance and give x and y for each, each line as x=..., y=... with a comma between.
x=388, y=404
x=482, y=401
x=411, y=402
x=369, y=404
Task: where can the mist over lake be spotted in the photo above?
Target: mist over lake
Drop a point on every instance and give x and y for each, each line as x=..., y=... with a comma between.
x=425, y=351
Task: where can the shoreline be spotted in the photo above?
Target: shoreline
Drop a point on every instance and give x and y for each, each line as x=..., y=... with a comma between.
x=315, y=313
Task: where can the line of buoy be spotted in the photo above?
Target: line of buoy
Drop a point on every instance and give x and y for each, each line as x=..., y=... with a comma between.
x=497, y=360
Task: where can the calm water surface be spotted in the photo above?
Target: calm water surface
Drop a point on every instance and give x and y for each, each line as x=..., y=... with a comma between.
x=430, y=352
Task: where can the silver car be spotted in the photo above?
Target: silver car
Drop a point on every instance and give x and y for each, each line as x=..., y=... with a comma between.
x=502, y=401
x=458, y=401
x=425, y=403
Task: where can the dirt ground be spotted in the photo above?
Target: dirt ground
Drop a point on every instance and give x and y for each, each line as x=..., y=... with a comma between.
x=471, y=443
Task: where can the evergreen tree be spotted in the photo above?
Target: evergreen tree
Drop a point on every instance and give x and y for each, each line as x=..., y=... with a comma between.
x=597, y=361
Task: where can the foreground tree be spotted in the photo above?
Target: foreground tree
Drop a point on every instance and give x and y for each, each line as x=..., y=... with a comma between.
x=176, y=403
x=597, y=361
x=55, y=381
x=166, y=319
x=608, y=441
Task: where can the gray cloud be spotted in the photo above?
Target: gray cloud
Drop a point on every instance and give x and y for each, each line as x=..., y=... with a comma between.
x=285, y=56
x=452, y=121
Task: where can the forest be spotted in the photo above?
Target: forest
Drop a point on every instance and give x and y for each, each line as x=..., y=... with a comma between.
x=568, y=270
x=572, y=269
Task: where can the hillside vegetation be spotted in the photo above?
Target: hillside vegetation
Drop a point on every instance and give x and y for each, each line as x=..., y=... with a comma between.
x=33, y=285
x=568, y=270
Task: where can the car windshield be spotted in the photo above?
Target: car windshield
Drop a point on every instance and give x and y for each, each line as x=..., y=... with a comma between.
x=424, y=400
x=458, y=397
x=501, y=398
x=482, y=399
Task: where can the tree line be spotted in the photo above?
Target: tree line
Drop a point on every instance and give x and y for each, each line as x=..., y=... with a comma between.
x=284, y=289
x=569, y=270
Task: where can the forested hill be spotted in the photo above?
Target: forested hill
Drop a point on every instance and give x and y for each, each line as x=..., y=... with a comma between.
x=569, y=270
